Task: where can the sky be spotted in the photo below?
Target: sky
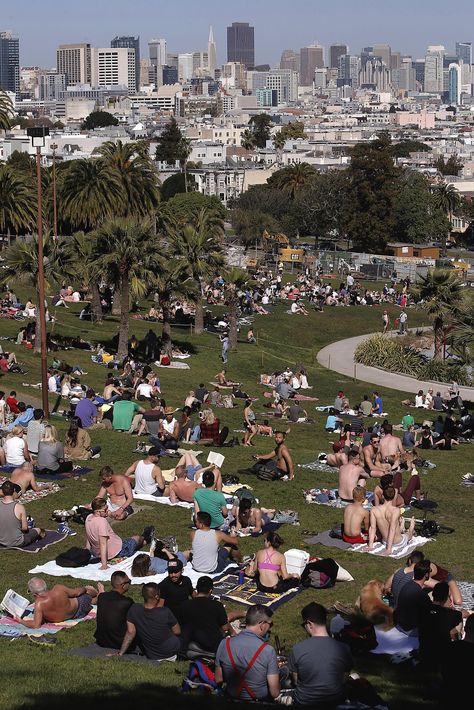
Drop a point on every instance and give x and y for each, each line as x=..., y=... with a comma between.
x=407, y=25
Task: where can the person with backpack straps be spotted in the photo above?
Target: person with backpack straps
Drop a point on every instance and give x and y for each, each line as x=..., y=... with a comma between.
x=246, y=663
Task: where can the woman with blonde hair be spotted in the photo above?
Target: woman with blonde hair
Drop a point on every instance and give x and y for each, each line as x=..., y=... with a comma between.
x=15, y=449
x=51, y=453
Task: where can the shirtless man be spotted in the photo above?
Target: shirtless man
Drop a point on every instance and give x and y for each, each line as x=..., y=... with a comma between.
x=148, y=476
x=116, y=489
x=371, y=458
x=24, y=478
x=337, y=460
x=386, y=520
x=222, y=380
x=356, y=519
x=111, y=391
x=390, y=446
x=284, y=461
x=351, y=474
x=182, y=488
x=60, y=603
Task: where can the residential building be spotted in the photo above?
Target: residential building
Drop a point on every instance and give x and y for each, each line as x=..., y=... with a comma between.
x=113, y=67
x=241, y=44
x=29, y=81
x=74, y=60
x=10, y=63
x=130, y=43
x=335, y=52
x=266, y=97
x=311, y=58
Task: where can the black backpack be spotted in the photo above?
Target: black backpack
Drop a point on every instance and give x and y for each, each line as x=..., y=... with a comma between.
x=320, y=574
x=74, y=557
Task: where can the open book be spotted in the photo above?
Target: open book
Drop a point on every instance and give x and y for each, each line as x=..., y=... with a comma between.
x=215, y=458
x=14, y=603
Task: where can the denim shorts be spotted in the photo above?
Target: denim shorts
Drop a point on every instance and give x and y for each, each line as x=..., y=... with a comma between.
x=129, y=547
x=191, y=469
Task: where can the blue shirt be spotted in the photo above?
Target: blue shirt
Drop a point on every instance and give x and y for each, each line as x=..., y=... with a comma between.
x=22, y=419
x=86, y=411
x=331, y=422
x=378, y=406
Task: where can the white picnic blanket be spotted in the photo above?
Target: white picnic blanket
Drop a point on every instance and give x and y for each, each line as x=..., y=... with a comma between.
x=164, y=500
x=402, y=550
x=93, y=573
x=394, y=641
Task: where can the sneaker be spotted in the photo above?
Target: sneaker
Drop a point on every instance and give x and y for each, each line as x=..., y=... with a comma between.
x=148, y=534
x=95, y=456
x=43, y=640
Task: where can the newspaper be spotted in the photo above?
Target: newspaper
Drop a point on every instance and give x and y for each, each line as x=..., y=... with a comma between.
x=14, y=603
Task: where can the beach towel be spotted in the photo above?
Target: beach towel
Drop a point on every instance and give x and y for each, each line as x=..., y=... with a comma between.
x=77, y=472
x=93, y=573
x=329, y=497
x=394, y=641
x=174, y=365
x=247, y=593
x=305, y=398
x=164, y=500
x=45, y=489
x=269, y=527
x=467, y=593
x=324, y=538
x=12, y=629
x=319, y=466
x=399, y=551
x=95, y=651
x=51, y=538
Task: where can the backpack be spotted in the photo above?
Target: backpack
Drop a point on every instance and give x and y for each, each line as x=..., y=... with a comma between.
x=286, y=516
x=320, y=574
x=230, y=480
x=245, y=493
x=359, y=636
x=74, y=557
x=200, y=678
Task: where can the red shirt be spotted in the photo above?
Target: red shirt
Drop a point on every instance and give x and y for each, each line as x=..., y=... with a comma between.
x=13, y=405
x=210, y=431
x=4, y=364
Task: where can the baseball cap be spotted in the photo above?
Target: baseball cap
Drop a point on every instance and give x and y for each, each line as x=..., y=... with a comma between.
x=154, y=451
x=175, y=565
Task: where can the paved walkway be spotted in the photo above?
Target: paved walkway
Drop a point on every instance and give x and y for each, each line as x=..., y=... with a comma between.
x=339, y=357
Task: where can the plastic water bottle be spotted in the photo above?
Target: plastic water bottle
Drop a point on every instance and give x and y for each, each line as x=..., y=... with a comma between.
x=30, y=521
x=241, y=576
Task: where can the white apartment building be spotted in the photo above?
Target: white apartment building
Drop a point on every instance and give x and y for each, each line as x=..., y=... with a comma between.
x=185, y=66
x=113, y=66
x=207, y=152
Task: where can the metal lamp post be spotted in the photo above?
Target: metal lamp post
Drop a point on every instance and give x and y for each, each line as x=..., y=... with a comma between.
x=54, y=148
x=38, y=139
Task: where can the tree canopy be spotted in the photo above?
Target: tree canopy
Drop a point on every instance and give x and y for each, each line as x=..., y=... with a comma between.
x=99, y=119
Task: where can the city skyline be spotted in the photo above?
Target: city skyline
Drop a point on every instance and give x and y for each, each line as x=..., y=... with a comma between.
x=406, y=26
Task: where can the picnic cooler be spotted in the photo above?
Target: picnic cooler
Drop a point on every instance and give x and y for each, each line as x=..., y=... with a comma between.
x=296, y=561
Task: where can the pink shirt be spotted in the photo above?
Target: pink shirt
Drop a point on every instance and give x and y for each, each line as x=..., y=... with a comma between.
x=97, y=527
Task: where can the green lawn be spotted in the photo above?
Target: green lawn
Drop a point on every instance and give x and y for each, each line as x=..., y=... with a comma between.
x=38, y=676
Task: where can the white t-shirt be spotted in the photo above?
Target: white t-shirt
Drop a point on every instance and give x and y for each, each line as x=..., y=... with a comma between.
x=294, y=308
x=168, y=426
x=145, y=390
x=14, y=451
x=52, y=384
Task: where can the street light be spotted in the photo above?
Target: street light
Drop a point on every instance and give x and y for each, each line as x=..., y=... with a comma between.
x=38, y=139
x=54, y=147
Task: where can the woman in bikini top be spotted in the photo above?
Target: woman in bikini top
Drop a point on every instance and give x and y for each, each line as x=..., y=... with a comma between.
x=269, y=565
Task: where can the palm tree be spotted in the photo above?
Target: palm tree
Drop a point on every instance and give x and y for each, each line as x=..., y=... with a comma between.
x=448, y=199
x=292, y=178
x=463, y=327
x=6, y=111
x=138, y=176
x=90, y=192
x=197, y=248
x=440, y=292
x=183, y=151
x=17, y=201
x=80, y=259
x=171, y=281
x=279, y=141
x=236, y=280
x=21, y=264
x=127, y=252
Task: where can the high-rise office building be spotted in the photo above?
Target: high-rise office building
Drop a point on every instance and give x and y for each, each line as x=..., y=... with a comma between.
x=434, y=60
x=169, y=74
x=311, y=58
x=375, y=74
x=114, y=67
x=454, y=84
x=10, y=63
x=284, y=82
x=336, y=51
x=403, y=77
x=211, y=53
x=74, y=60
x=130, y=43
x=158, y=59
x=51, y=85
x=241, y=44
x=383, y=51
x=290, y=60
x=464, y=52
x=185, y=66
x=348, y=71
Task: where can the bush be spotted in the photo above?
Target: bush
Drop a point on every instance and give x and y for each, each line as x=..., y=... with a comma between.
x=390, y=354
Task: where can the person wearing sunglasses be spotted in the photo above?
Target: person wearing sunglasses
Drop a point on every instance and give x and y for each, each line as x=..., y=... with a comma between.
x=318, y=664
x=112, y=610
